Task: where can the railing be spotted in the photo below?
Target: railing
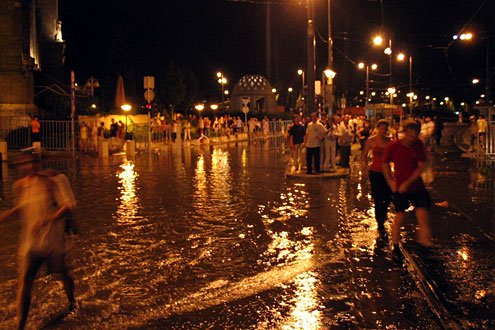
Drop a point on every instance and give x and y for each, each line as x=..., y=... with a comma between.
x=55, y=134
x=489, y=143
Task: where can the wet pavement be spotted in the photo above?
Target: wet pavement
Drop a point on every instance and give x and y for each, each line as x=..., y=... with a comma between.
x=217, y=237
x=459, y=275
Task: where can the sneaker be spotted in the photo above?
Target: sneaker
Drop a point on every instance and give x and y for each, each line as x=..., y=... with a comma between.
x=397, y=255
x=71, y=307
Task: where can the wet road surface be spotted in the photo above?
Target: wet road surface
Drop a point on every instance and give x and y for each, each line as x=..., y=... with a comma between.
x=218, y=238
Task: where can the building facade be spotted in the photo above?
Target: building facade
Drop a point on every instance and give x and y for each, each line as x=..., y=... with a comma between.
x=31, y=42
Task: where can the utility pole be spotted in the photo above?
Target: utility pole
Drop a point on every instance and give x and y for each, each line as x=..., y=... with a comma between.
x=73, y=111
x=268, y=43
x=329, y=82
x=311, y=45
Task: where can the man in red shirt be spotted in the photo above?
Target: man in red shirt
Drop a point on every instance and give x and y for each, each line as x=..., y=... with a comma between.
x=409, y=158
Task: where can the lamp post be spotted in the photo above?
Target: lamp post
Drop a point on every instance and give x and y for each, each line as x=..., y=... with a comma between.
x=378, y=41
x=311, y=58
x=329, y=85
x=362, y=66
x=289, y=94
x=329, y=74
x=303, y=84
x=401, y=57
x=391, y=91
x=222, y=81
x=126, y=108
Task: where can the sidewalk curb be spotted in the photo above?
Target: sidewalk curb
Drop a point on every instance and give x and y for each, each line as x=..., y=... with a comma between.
x=430, y=292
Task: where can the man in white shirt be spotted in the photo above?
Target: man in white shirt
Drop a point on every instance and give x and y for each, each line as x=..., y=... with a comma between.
x=315, y=133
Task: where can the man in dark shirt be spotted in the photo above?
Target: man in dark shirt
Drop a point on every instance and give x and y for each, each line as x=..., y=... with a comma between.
x=296, y=139
x=409, y=158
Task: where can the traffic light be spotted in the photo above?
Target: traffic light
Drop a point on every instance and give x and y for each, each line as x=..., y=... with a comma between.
x=148, y=106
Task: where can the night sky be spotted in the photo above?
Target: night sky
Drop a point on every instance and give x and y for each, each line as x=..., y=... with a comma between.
x=210, y=35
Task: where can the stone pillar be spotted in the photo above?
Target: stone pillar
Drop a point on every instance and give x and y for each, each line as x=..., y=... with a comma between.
x=103, y=149
x=3, y=150
x=130, y=148
x=37, y=147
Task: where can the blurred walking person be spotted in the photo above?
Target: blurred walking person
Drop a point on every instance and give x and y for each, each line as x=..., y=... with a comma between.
x=35, y=130
x=380, y=191
x=409, y=158
x=44, y=204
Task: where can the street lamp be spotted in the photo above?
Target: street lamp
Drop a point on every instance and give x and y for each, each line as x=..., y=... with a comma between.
x=289, y=101
x=327, y=88
x=401, y=57
x=222, y=81
x=362, y=66
x=303, y=84
x=378, y=41
x=391, y=93
x=126, y=108
x=200, y=107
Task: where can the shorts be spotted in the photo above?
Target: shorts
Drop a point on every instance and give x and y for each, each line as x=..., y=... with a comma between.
x=55, y=263
x=419, y=199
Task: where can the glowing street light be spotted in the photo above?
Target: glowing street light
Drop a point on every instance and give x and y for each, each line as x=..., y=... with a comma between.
x=475, y=81
x=378, y=40
x=214, y=106
x=464, y=36
x=361, y=66
x=274, y=90
x=290, y=89
x=126, y=108
x=222, y=81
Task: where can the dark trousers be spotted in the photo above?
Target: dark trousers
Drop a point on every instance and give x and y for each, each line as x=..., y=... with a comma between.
x=382, y=195
x=345, y=154
x=312, y=154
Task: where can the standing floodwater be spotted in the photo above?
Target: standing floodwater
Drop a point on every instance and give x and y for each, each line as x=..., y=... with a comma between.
x=213, y=237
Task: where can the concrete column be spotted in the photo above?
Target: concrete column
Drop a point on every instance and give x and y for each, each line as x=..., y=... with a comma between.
x=103, y=149
x=37, y=147
x=3, y=150
x=130, y=148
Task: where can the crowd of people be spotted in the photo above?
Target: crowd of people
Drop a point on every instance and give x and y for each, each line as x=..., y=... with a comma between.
x=326, y=139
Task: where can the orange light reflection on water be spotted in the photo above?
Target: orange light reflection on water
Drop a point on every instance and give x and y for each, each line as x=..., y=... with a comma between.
x=129, y=201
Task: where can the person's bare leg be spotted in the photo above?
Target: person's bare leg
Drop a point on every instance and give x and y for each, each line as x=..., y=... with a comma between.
x=399, y=218
x=69, y=290
x=424, y=232
x=26, y=281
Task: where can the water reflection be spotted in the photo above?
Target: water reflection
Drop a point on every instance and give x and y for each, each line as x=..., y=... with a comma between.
x=129, y=201
x=305, y=313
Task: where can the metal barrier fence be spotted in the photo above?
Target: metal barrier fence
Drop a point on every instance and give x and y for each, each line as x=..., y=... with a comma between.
x=55, y=134
x=489, y=143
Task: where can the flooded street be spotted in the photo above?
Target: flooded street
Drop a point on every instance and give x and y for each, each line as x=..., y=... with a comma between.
x=217, y=238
